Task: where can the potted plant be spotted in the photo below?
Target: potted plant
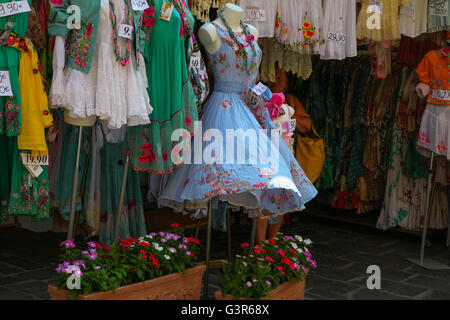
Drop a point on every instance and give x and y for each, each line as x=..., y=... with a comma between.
x=276, y=270
x=159, y=266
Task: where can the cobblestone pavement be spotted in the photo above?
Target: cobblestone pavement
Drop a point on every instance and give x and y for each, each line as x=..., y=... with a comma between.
x=343, y=252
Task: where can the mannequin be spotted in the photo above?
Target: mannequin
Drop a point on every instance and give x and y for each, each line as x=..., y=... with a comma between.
x=208, y=34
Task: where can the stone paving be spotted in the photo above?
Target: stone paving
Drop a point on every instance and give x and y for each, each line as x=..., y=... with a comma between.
x=343, y=252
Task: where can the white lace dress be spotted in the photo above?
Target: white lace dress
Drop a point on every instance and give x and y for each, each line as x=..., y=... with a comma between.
x=117, y=95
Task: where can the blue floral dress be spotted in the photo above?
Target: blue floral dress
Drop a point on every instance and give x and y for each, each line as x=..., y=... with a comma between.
x=263, y=176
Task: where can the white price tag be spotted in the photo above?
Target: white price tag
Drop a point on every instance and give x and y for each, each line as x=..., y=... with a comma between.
x=293, y=125
x=34, y=170
x=439, y=8
x=196, y=60
x=375, y=6
x=139, y=5
x=126, y=31
x=255, y=15
x=338, y=37
x=259, y=89
x=14, y=7
x=408, y=10
x=441, y=94
x=5, y=84
x=166, y=11
x=29, y=159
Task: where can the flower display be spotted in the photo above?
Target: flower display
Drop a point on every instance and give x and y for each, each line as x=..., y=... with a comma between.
x=260, y=269
x=103, y=268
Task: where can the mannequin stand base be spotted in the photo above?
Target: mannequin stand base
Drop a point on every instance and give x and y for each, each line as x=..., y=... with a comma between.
x=429, y=264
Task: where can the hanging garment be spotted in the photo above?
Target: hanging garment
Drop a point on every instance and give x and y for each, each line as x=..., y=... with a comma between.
x=438, y=15
x=389, y=28
x=115, y=93
x=171, y=94
x=413, y=18
x=433, y=70
x=406, y=188
x=339, y=20
x=255, y=185
x=132, y=219
x=298, y=25
x=265, y=25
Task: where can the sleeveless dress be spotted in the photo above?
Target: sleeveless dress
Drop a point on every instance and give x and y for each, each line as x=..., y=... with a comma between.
x=171, y=93
x=273, y=183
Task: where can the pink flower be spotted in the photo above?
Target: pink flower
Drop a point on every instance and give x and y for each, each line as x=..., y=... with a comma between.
x=269, y=259
x=56, y=2
x=250, y=38
x=125, y=62
x=244, y=245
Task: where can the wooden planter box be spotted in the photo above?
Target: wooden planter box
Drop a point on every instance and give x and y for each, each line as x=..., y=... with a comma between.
x=292, y=290
x=176, y=286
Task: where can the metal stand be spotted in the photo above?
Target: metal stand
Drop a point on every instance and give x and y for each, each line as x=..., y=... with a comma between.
x=208, y=251
x=73, y=199
x=229, y=235
x=122, y=195
x=253, y=234
x=428, y=263
x=82, y=192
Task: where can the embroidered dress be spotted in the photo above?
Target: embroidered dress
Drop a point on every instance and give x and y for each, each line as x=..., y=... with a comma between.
x=434, y=131
x=252, y=178
x=110, y=91
x=171, y=93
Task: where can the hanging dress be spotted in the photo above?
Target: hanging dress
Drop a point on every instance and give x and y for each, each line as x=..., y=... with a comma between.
x=252, y=178
x=110, y=91
x=171, y=94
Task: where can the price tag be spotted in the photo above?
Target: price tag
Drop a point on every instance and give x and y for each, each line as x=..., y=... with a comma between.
x=34, y=170
x=29, y=159
x=375, y=6
x=126, y=31
x=293, y=125
x=338, y=37
x=259, y=89
x=408, y=11
x=166, y=11
x=139, y=5
x=441, y=94
x=15, y=7
x=196, y=60
x=438, y=8
x=255, y=15
x=5, y=84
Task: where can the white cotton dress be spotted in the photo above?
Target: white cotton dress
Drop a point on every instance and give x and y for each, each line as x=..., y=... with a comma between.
x=339, y=18
x=117, y=95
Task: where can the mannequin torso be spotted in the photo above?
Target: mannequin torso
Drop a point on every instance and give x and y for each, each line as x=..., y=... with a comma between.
x=208, y=34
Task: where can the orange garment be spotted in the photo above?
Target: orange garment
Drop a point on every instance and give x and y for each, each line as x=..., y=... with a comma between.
x=434, y=70
x=303, y=121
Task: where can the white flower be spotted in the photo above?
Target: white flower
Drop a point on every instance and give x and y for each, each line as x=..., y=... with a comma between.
x=299, y=238
x=173, y=250
x=167, y=257
x=294, y=245
x=141, y=238
x=308, y=241
x=150, y=237
x=299, y=250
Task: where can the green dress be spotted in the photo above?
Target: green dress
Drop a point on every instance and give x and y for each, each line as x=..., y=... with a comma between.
x=171, y=95
x=20, y=193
